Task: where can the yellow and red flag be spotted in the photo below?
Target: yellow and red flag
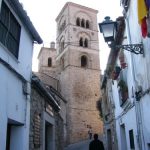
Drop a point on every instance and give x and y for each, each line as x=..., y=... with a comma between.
x=142, y=10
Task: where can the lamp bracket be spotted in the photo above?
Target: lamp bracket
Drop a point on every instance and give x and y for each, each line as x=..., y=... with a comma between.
x=134, y=48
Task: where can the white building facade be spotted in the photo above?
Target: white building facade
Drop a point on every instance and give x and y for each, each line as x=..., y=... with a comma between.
x=140, y=68
x=17, y=35
x=131, y=112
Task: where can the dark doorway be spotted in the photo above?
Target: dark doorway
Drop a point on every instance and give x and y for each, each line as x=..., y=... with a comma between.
x=109, y=139
x=131, y=137
x=8, y=136
x=49, y=137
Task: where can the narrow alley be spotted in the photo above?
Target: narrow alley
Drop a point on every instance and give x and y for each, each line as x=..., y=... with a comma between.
x=84, y=77
x=84, y=145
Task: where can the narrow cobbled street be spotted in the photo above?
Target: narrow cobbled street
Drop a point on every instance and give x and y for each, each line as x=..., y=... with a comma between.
x=79, y=146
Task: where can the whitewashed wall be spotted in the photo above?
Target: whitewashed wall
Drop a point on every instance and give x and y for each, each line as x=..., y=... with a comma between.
x=14, y=104
x=138, y=74
x=141, y=70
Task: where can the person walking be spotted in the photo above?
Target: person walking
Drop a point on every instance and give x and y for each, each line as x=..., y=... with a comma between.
x=96, y=144
x=90, y=133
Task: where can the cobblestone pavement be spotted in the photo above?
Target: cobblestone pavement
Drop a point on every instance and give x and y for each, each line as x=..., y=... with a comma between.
x=83, y=145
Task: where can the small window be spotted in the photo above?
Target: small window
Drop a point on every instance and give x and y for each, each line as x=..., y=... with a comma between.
x=9, y=30
x=86, y=43
x=62, y=45
x=83, y=61
x=123, y=91
x=62, y=63
x=49, y=62
x=78, y=22
x=131, y=137
x=87, y=24
x=83, y=23
x=81, y=42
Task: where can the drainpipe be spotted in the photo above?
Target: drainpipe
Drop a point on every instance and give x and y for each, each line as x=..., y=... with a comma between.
x=27, y=92
x=136, y=101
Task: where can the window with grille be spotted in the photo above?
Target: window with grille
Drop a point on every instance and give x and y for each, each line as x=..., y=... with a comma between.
x=9, y=30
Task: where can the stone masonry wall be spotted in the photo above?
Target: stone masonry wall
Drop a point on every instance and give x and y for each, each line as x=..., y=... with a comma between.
x=82, y=94
x=36, y=120
x=37, y=106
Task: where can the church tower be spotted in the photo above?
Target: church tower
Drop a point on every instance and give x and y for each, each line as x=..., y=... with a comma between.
x=47, y=61
x=78, y=57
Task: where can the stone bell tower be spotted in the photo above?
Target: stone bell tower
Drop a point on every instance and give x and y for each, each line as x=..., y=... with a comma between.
x=78, y=56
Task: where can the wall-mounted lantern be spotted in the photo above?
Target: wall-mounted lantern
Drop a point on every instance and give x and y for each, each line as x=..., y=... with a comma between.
x=109, y=30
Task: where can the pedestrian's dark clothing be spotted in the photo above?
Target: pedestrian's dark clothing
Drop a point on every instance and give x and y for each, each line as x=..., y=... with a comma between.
x=96, y=145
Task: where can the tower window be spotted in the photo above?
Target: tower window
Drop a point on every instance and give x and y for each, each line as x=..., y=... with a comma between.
x=49, y=62
x=86, y=43
x=62, y=46
x=81, y=42
x=87, y=24
x=78, y=22
x=83, y=61
x=62, y=63
x=83, y=23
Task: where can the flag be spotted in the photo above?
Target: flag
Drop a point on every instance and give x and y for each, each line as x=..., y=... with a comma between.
x=142, y=10
x=144, y=27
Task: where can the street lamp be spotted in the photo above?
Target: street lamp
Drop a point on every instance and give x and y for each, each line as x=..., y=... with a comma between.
x=109, y=30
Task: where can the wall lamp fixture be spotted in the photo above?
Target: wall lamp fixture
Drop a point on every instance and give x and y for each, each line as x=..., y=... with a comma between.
x=109, y=30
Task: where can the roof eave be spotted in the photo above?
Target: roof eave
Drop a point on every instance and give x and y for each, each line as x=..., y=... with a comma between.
x=17, y=7
x=43, y=91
